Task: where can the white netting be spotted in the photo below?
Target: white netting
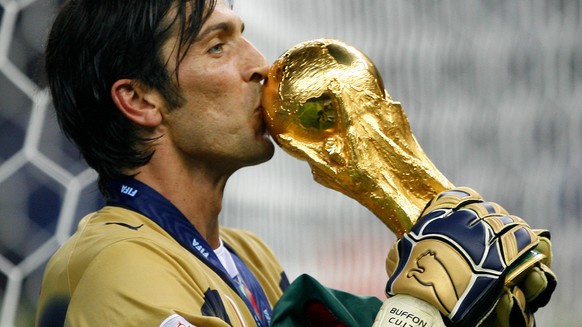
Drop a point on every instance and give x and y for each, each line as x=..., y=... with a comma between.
x=492, y=89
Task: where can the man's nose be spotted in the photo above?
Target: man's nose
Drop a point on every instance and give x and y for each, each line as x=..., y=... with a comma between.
x=258, y=66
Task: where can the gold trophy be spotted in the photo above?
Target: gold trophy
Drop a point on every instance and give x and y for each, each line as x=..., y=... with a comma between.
x=325, y=103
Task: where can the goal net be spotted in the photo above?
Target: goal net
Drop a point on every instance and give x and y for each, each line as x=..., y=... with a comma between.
x=493, y=91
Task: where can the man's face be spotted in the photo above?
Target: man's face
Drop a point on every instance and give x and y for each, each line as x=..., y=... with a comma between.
x=220, y=124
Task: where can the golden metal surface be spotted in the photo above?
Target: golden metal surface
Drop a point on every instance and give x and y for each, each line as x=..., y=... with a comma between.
x=325, y=103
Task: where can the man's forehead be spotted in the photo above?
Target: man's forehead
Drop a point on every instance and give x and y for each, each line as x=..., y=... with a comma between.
x=228, y=3
x=222, y=17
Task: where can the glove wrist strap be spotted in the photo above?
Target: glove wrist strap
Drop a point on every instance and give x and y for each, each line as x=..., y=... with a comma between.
x=405, y=310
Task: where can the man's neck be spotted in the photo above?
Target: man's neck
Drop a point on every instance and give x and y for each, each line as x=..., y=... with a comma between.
x=196, y=194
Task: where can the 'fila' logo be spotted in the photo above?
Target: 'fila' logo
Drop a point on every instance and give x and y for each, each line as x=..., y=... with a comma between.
x=128, y=190
x=200, y=248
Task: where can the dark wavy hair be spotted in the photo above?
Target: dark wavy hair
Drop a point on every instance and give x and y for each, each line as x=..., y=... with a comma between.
x=94, y=43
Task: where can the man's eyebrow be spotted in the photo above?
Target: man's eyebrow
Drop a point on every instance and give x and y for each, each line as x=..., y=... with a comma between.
x=224, y=26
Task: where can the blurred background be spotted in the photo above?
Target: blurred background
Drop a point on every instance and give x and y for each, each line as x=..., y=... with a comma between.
x=492, y=88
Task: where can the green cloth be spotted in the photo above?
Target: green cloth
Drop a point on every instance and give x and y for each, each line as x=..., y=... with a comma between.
x=307, y=303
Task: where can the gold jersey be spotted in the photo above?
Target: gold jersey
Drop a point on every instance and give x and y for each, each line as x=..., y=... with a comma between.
x=121, y=268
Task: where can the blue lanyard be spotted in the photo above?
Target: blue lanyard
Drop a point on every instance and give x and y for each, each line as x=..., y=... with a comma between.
x=137, y=196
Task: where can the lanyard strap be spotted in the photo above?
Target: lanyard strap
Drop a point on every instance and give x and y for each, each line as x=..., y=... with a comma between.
x=137, y=196
x=252, y=289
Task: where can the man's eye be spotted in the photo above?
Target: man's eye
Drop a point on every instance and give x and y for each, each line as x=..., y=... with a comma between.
x=216, y=49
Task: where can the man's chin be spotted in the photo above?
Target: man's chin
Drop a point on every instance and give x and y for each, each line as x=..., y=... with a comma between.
x=264, y=151
x=269, y=149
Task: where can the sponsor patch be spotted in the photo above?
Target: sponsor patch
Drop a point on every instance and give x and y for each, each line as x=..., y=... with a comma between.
x=176, y=320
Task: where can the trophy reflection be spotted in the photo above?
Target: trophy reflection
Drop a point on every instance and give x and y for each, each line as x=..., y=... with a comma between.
x=325, y=103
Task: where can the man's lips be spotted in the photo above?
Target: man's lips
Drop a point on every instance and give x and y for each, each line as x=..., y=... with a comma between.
x=259, y=111
x=259, y=114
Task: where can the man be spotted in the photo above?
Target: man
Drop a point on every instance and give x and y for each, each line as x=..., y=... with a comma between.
x=163, y=100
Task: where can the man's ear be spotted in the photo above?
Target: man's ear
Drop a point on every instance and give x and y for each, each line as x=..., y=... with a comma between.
x=138, y=104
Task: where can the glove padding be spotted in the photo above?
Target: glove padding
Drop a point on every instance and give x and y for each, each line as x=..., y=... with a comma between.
x=459, y=255
x=521, y=298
